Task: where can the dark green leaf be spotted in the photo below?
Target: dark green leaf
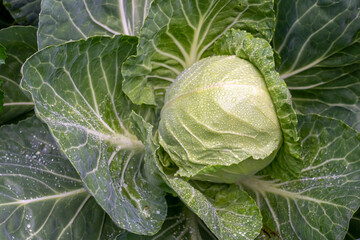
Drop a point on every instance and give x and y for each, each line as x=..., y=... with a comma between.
x=77, y=92
x=319, y=44
x=180, y=223
x=177, y=34
x=62, y=21
x=20, y=43
x=24, y=12
x=42, y=196
x=228, y=211
x=321, y=203
x=332, y=88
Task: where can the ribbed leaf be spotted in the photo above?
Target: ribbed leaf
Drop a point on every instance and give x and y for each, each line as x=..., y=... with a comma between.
x=42, y=196
x=177, y=34
x=332, y=88
x=260, y=54
x=24, y=12
x=227, y=211
x=180, y=223
x=77, y=92
x=20, y=43
x=321, y=203
x=319, y=44
x=65, y=20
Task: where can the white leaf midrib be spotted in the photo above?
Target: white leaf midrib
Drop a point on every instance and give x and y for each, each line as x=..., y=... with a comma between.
x=129, y=142
x=74, y=217
x=325, y=55
x=45, y=221
x=45, y=170
x=46, y=198
x=9, y=104
x=263, y=187
x=107, y=28
x=123, y=16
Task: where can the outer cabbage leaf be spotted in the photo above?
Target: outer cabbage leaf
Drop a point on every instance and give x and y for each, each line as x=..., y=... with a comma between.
x=20, y=43
x=65, y=20
x=177, y=34
x=42, y=196
x=319, y=44
x=228, y=211
x=24, y=12
x=260, y=54
x=320, y=204
x=77, y=92
x=181, y=223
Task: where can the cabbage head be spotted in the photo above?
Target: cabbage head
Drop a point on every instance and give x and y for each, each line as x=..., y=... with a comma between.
x=218, y=122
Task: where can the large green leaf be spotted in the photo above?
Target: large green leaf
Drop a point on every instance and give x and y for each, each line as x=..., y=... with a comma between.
x=259, y=52
x=24, y=12
x=77, y=92
x=177, y=34
x=332, y=88
x=181, y=223
x=321, y=203
x=20, y=43
x=319, y=44
x=226, y=210
x=65, y=20
x=42, y=196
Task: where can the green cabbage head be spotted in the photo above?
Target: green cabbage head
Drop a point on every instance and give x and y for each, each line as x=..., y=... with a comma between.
x=218, y=122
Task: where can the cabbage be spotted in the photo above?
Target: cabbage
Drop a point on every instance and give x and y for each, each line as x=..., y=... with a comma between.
x=219, y=123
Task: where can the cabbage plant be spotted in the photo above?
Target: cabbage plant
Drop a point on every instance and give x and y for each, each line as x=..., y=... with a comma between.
x=179, y=119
